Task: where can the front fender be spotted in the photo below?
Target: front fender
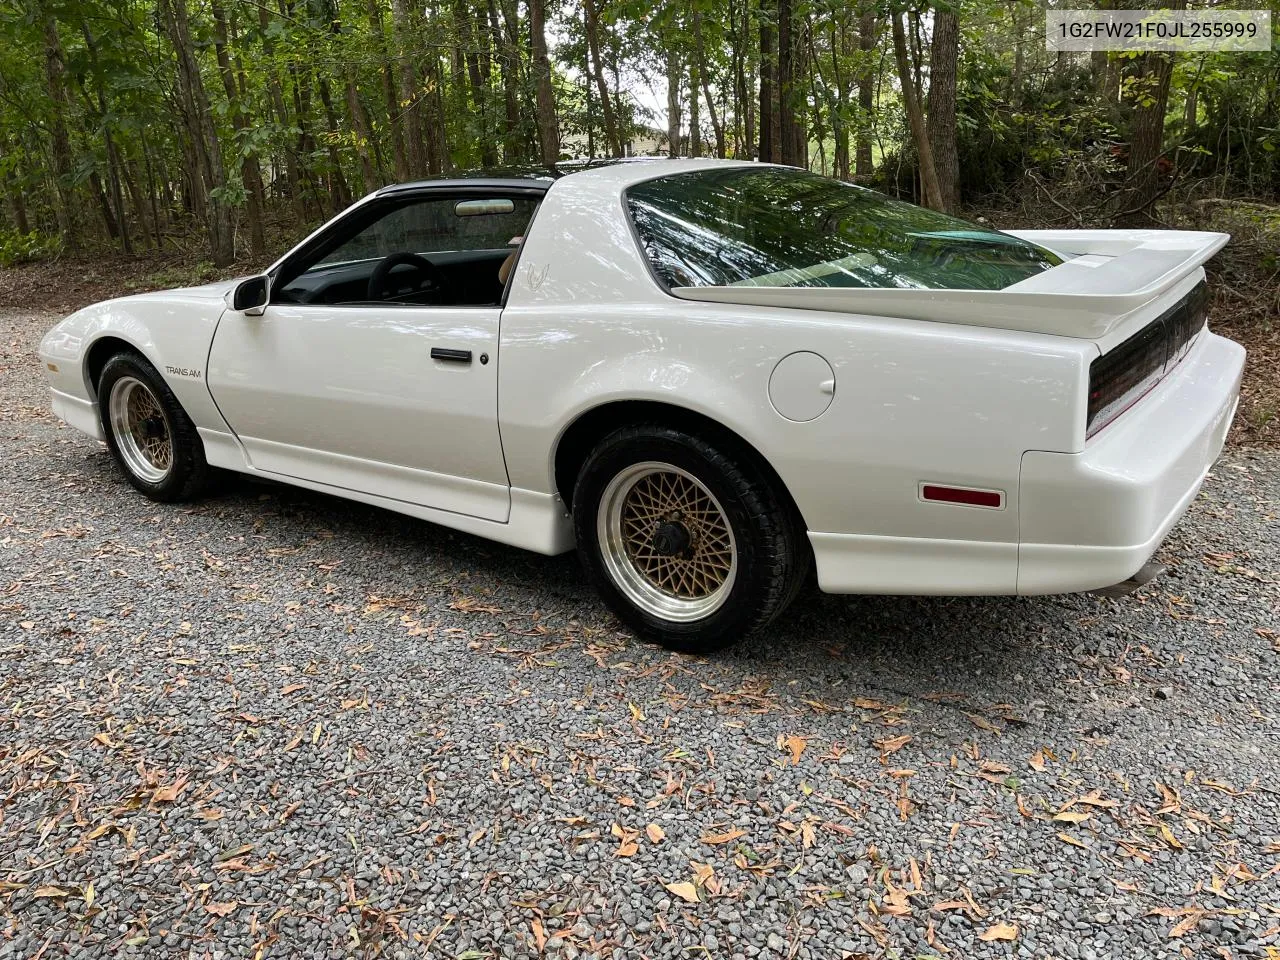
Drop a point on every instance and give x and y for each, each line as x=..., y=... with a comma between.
x=172, y=331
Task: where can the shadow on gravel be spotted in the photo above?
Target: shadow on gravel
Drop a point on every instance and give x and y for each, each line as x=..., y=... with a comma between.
x=924, y=639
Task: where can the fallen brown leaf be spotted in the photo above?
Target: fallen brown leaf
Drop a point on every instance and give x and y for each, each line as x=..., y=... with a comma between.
x=795, y=745
x=890, y=745
x=999, y=931
x=1073, y=816
x=982, y=723
x=684, y=890
x=170, y=793
x=728, y=837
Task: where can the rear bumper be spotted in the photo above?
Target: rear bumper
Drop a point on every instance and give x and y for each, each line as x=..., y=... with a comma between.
x=1091, y=519
x=1085, y=520
x=79, y=413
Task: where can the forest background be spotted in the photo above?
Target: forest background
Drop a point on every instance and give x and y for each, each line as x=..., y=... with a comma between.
x=145, y=143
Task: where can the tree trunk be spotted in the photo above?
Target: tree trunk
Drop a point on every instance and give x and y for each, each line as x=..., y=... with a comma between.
x=369, y=179
x=479, y=79
x=104, y=205
x=209, y=177
x=13, y=192
x=841, y=49
x=18, y=209
x=509, y=67
x=1191, y=110
x=1150, y=85
x=611, y=136
x=149, y=170
x=942, y=106
x=292, y=176
x=768, y=83
x=305, y=144
x=55, y=71
x=799, y=101
x=716, y=126
x=548, y=128
x=339, y=192
x=249, y=172
x=128, y=174
x=786, y=115
x=410, y=96
x=434, y=149
x=674, y=72
x=743, y=95
x=109, y=141
x=695, y=109
x=387, y=75
x=866, y=92
x=928, y=174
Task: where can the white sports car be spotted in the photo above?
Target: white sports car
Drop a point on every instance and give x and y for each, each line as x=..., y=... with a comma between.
x=712, y=377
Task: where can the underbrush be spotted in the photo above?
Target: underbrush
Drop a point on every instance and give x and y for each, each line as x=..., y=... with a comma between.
x=1244, y=276
x=16, y=247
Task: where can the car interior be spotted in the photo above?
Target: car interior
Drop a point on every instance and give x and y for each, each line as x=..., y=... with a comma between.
x=415, y=252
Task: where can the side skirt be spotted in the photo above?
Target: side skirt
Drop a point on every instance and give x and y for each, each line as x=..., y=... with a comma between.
x=538, y=521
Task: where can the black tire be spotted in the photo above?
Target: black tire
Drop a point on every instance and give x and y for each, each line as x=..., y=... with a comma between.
x=773, y=557
x=189, y=474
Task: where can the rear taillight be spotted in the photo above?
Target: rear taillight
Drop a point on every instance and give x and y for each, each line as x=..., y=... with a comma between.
x=1120, y=378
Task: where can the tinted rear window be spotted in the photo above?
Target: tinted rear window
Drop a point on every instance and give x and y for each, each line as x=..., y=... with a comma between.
x=780, y=227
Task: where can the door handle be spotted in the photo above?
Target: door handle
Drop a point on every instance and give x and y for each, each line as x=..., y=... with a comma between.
x=445, y=353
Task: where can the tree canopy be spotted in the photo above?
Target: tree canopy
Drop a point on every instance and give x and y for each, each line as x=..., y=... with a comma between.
x=148, y=123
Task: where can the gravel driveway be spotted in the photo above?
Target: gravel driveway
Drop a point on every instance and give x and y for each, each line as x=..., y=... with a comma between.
x=277, y=724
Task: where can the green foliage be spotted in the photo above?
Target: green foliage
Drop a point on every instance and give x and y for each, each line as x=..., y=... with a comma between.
x=314, y=102
x=18, y=247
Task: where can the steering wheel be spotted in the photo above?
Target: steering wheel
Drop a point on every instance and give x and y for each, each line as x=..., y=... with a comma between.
x=428, y=274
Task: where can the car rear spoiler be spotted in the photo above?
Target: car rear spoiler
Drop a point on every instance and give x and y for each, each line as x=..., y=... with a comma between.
x=1107, y=275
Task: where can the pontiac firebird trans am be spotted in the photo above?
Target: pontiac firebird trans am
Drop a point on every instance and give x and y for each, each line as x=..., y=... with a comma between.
x=712, y=377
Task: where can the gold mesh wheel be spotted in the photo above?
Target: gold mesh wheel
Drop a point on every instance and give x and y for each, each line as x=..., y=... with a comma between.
x=141, y=429
x=666, y=542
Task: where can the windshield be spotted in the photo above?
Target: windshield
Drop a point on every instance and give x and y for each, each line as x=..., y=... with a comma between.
x=781, y=227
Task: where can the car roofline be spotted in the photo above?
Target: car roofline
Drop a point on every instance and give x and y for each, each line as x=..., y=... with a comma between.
x=521, y=184
x=622, y=170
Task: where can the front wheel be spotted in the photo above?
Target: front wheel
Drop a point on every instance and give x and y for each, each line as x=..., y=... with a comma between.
x=691, y=548
x=149, y=434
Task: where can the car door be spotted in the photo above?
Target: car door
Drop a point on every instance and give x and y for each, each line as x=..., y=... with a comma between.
x=393, y=394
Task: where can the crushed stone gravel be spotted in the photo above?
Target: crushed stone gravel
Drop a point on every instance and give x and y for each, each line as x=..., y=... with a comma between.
x=279, y=724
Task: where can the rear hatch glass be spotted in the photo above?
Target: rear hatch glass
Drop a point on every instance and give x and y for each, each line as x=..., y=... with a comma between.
x=782, y=227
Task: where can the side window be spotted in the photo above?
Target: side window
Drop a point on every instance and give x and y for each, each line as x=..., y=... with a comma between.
x=439, y=251
x=438, y=226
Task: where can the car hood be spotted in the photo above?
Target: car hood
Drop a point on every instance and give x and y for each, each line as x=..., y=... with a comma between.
x=206, y=291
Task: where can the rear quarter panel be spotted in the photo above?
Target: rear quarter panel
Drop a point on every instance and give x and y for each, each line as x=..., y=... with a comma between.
x=912, y=402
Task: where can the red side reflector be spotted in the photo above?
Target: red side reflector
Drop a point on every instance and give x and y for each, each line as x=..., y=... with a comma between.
x=972, y=498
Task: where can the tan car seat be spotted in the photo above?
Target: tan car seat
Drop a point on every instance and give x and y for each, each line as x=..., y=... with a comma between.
x=504, y=271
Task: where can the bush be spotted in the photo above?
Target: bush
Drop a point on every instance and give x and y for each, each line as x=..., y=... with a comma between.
x=16, y=247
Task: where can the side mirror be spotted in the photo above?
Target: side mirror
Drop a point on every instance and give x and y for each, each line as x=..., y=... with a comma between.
x=250, y=296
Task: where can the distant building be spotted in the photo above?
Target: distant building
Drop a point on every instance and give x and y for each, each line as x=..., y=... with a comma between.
x=645, y=142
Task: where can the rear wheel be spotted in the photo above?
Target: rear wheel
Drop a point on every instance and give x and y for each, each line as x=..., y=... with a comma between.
x=149, y=434
x=691, y=548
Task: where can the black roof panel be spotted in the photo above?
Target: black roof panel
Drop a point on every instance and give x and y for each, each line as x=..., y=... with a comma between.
x=509, y=177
